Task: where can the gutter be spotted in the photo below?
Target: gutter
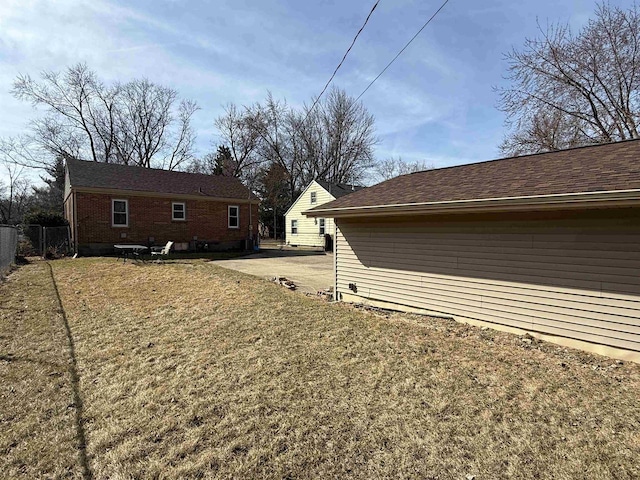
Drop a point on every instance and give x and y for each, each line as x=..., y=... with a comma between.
x=608, y=199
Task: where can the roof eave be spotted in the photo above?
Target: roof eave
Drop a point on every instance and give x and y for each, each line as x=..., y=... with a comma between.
x=145, y=193
x=608, y=199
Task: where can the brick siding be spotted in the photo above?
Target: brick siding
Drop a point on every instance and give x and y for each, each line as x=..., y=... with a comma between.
x=151, y=217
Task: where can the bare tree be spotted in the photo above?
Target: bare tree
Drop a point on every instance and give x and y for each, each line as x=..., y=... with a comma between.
x=218, y=163
x=143, y=117
x=24, y=151
x=15, y=196
x=575, y=89
x=276, y=127
x=73, y=122
x=235, y=128
x=338, y=138
x=184, y=139
x=135, y=123
x=546, y=131
x=395, y=166
x=333, y=141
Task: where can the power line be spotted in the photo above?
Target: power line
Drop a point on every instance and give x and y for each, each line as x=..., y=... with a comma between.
x=403, y=49
x=343, y=58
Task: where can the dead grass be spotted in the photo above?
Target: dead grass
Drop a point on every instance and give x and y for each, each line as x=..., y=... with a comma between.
x=38, y=434
x=189, y=370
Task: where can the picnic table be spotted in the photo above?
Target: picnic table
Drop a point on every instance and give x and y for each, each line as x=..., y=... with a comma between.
x=130, y=251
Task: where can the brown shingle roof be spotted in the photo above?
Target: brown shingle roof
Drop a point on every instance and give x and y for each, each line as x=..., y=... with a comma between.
x=123, y=177
x=599, y=168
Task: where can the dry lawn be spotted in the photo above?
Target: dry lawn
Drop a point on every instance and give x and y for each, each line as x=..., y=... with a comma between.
x=187, y=370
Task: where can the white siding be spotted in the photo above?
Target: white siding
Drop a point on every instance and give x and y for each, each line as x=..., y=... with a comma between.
x=574, y=275
x=308, y=228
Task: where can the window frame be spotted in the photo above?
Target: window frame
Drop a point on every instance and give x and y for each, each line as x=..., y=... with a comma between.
x=184, y=211
x=113, y=213
x=322, y=230
x=294, y=226
x=313, y=198
x=237, y=216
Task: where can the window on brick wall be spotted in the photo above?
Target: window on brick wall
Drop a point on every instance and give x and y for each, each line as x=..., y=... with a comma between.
x=178, y=211
x=119, y=213
x=234, y=216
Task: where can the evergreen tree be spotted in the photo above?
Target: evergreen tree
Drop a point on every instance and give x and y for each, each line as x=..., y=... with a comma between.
x=49, y=198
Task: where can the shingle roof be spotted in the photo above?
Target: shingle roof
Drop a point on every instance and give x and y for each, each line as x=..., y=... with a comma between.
x=339, y=189
x=599, y=168
x=123, y=177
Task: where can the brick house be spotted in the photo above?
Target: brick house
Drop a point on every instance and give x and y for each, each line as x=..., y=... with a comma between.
x=107, y=204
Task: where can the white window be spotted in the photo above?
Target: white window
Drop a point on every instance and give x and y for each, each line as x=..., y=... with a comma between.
x=178, y=211
x=321, y=223
x=313, y=197
x=234, y=216
x=119, y=213
x=294, y=227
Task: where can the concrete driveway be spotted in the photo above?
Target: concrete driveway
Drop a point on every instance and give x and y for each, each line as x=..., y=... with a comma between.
x=310, y=270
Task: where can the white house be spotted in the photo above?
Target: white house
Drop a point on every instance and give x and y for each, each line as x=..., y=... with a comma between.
x=304, y=231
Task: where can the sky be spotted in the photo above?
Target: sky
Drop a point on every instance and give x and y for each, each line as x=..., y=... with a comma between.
x=435, y=104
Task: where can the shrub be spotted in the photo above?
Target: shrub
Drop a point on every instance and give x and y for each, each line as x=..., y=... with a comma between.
x=45, y=219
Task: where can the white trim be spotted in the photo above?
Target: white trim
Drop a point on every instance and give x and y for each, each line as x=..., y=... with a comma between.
x=296, y=221
x=229, y=207
x=322, y=226
x=184, y=211
x=113, y=212
x=557, y=200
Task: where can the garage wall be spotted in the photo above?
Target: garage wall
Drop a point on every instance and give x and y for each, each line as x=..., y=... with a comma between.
x=569, y=274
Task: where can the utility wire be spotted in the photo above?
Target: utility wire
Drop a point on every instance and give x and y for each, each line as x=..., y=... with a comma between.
x=403, y=49
x=343, y=58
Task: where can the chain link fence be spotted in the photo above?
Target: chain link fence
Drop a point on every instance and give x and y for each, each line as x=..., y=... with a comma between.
x=56, y=240
x=8, y=247
x=45, y=241
x=31, y=241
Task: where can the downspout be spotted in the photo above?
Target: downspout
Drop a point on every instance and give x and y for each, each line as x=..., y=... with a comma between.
x=336, y=297
x=250, y=222
x=75, y=222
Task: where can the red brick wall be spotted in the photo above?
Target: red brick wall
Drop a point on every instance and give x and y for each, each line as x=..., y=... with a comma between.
x=151, y=217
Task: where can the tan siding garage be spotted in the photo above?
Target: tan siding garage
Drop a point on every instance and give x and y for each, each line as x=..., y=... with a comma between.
x=546, y=243
x=573, y=274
